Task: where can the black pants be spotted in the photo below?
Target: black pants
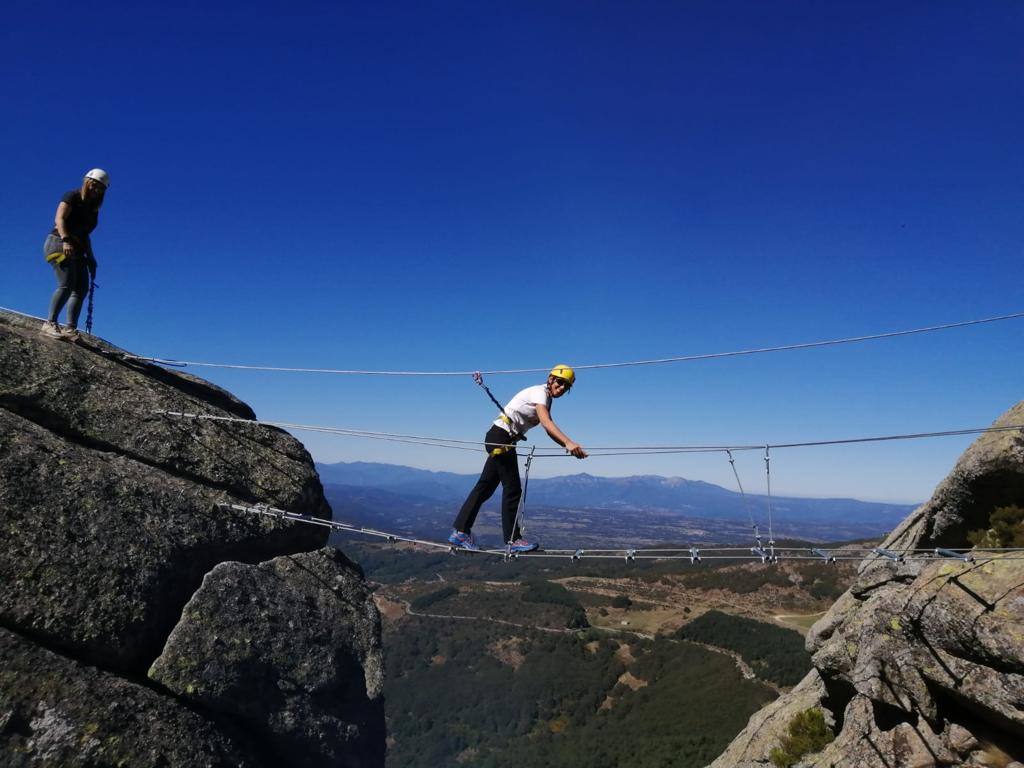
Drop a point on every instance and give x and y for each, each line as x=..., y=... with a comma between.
x=503, y=469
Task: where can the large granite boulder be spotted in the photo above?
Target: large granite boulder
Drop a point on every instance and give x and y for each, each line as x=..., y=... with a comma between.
x=57, y=712
x=921, y=663
x=243, y=648
x=95, y=395
x=109, y=510
x=109, y=522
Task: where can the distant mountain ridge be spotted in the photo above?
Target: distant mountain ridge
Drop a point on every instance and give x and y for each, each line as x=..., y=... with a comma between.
x=692, y=498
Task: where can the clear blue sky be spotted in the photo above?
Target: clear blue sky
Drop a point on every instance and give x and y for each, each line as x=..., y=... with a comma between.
x=474, y=185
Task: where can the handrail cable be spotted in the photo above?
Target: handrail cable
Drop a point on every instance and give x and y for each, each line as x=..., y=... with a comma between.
x=594, y=366
x=444, y=442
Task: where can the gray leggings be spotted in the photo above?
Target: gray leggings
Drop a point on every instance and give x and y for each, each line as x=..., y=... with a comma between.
x=72, y=288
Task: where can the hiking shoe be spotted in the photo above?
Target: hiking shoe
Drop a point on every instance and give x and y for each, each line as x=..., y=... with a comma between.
x=69, y=333
x=463, y=541
x=52, y=330
x=522, y=545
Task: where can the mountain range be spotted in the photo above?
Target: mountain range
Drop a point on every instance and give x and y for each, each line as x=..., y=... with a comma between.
x=418, y=498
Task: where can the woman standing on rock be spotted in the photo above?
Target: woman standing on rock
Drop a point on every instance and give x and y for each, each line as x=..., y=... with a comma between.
x=68, y=249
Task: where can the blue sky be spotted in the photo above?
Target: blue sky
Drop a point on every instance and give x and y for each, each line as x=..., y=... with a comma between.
x=450, y=186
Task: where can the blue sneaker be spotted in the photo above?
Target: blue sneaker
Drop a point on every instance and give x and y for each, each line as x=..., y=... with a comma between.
x=522, y=545
x=463, y=541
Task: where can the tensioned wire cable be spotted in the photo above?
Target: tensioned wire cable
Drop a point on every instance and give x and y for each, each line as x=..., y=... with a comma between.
x=444, y=442
x=593, y=366
x=693, y=554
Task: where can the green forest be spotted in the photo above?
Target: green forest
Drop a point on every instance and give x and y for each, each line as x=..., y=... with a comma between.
x=505, y=671
x=773, y=653
x=471, y=693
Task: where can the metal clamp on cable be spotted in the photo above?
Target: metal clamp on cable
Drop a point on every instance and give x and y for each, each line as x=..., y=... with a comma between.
x=577, y=555
x=827, y=556
x=630, y=555
x=894, y=556
x=694, y=555
x=967, y=557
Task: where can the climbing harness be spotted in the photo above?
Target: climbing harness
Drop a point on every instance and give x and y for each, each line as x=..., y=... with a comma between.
x=498, y=450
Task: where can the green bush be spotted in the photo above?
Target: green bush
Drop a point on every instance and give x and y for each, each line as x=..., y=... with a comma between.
x=578, y=619
x=807, y=733
x=621, y=601
x=1006, y=529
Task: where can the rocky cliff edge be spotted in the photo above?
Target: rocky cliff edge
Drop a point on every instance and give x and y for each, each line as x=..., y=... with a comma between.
x=921, y=664
x=142, y=625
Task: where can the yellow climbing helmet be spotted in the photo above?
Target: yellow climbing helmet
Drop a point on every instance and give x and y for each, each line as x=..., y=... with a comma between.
x=565, y=373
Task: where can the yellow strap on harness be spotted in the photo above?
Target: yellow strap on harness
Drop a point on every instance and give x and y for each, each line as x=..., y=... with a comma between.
x=503, y=448
x=56, y=258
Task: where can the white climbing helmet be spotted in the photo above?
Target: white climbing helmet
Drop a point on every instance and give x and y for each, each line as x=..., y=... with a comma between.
x=98, y=174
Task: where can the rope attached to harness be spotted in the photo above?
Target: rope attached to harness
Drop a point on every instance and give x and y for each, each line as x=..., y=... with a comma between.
x=88, y=314
x=521, y=509
x=516, y=437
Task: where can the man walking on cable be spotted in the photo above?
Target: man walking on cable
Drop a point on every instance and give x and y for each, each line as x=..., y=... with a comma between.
x=530, y=407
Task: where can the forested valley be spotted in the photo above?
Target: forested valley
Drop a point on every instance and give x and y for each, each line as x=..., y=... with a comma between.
x=594, y=663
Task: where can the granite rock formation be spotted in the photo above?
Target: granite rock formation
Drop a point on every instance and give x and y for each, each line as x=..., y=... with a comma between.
x=110, y=526
x=230, y=653
x=921, y=663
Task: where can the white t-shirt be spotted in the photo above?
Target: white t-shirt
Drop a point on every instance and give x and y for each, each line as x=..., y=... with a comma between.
x=522, y=409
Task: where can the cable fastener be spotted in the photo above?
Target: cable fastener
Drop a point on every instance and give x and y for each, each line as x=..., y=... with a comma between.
x=967, y=557
x=894, y=556
x=828, y=557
